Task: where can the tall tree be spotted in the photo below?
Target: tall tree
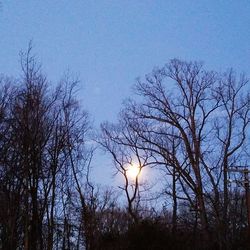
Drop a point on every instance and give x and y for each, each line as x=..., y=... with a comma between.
x=42, y=132
x=208, y=115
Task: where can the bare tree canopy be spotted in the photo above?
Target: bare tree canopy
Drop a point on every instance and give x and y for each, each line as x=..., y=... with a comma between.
x=189, y=124
x=194, y=123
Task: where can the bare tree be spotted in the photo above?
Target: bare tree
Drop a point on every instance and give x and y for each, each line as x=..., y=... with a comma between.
x=37, y=179
x=124, y=146
x=207, y=115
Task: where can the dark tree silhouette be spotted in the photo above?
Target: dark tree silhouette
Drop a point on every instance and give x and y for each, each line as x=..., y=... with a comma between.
x=189, y=123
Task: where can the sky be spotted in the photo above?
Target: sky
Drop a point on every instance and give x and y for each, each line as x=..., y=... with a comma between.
x=108, y=44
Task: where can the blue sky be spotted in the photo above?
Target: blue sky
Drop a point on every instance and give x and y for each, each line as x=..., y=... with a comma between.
x=110, y=43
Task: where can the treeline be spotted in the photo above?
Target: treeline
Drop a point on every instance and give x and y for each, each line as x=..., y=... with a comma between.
x=189, y=123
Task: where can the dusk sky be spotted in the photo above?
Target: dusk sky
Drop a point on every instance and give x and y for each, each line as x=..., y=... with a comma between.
x=107, y=44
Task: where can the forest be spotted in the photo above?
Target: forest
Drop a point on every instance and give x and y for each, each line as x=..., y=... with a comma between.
x=188, y=124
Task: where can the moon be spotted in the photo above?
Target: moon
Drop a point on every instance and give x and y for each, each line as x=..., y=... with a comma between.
x=133, y=171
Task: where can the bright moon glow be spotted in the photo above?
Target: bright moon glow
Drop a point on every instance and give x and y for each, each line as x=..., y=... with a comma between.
x=133, y=171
